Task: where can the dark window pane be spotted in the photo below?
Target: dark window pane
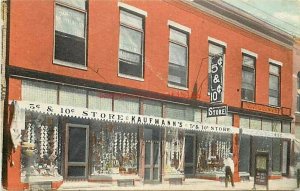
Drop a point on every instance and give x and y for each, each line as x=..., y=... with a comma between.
x=189, y=146
x=69, y=48
x=148, y=153
x=147, y=174
x=155, y=174
x=76, y=171
x=276, y=151
x=188, y=170
x=177, y=75
x=155, y=153
x=77, y=145
x=130, y=69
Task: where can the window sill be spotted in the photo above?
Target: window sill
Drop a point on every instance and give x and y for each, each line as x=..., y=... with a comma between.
x=244, y=100
x=131, y=77
x=69, y=64
x=275, y=106
x=177, y=87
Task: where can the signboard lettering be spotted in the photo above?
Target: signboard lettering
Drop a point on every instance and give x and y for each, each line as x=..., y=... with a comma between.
x=214, y=111
x=216, y=80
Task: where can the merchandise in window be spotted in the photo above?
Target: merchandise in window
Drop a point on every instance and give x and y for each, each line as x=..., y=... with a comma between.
x=274, y=85
x=178, y=58
x=113, y=149
x=248, y=78
x=212, y=150
x=174, y=149
x=131, y=44
x=41, y=147
x=70, y=32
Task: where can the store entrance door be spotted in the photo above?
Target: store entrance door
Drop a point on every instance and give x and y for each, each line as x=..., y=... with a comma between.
x=152, y=155
x=76, y=151
x=189, y=155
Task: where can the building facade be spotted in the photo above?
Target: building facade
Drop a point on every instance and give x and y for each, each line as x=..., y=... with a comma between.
x=119, y=91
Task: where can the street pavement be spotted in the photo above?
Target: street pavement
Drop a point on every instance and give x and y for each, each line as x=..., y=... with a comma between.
x=188, y=184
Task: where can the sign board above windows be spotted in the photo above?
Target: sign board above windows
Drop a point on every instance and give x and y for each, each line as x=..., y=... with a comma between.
x=266, y=108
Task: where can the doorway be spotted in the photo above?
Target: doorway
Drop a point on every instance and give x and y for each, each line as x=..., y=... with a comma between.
x=189, y=155
x=152, y=155
x=76, y=155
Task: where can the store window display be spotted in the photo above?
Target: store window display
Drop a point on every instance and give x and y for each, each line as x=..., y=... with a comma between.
x=212, y=150
x=41, y=148
x=113, y=149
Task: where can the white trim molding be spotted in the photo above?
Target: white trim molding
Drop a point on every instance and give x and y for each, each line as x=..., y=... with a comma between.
x=217, y=41
x=248, y=52
x=179, y=26
x=132, y=8
x=275, y=62
x=177, y=87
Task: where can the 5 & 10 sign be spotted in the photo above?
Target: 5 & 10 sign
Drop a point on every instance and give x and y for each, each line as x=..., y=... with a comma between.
x=216, y=79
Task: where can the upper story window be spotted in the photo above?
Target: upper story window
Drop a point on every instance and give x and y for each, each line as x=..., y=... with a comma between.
x=131, y=44
x=298, y=92
x=70, y=33
x=214, y=49
x=178, y=58
x=274, y=84
x=248, y=78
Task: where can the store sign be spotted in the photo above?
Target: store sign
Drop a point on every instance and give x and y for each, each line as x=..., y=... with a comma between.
x=214, y=111
x=261, y=108
x=110, y=116
x=216, y=80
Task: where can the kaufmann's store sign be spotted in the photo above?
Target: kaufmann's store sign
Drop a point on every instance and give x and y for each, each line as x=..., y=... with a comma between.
x=110, y=116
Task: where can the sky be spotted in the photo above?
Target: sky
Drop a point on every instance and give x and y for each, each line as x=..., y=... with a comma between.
x=284, y=14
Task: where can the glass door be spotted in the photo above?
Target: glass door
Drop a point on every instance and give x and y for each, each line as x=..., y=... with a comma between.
x=152, y=155
x=189, y=155
x=76, y=155
x=285, y=158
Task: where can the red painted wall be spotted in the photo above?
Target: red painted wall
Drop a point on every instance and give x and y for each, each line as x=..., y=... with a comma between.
x=31, y=46
x=32, y=39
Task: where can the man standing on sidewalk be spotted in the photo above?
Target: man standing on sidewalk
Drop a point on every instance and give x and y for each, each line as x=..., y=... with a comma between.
x=229, y=169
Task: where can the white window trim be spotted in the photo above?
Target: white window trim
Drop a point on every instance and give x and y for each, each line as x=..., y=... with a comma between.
x=275, y=62
x=69, y=64
x=65, y=63
x=177, y=87
x=217, y=41
x=131, y=77
x=248, y=52
x=132, y=8
x=179, y=26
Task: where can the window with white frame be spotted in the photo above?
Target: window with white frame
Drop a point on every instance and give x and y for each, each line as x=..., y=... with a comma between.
x=178, y=58
x=248, y=78
x=274, y=85
x=213, y=50
x=131, y=59
x=70, y=33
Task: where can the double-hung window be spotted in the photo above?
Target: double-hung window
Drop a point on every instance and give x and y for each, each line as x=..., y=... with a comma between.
x=178, y=58
x=248, y=78
x=274, y=84
x=70, y=33
x=131, y=44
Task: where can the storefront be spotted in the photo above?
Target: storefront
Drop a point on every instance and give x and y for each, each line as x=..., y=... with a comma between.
x=67, y=133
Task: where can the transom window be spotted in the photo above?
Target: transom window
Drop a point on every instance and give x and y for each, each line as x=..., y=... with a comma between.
x=131, y=44
x=178, y=58
x=274, y=85
x=70, y=33
x=248, y=78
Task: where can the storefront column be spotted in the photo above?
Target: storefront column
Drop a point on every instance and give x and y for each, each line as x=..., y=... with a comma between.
x=235, y=148
x=141, y=169
x=12, y=160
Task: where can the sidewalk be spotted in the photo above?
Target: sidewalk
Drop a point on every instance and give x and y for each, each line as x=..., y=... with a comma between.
x=188, y=184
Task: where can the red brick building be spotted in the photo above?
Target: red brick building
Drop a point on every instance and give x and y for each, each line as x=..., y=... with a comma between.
x=111, y=91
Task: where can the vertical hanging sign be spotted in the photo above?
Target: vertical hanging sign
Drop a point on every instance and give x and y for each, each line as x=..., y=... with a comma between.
x=216, y=80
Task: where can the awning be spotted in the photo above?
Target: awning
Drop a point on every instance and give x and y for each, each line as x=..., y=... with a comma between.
x=110, y=116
